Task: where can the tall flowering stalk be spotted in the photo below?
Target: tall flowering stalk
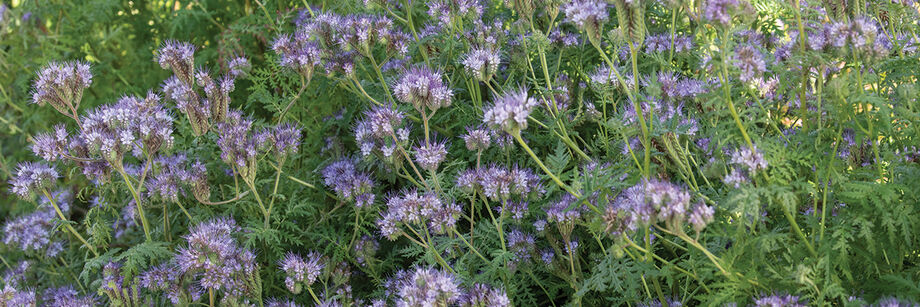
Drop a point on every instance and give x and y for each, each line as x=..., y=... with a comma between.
x=38, y=178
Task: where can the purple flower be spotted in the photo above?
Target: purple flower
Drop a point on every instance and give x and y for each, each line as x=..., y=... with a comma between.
x=423, y=88
x=587, y=15
x=241, y=146
x=477, y=139
x=656, y=303
x=239, y=66
x=32, y=232
x=378, y=131
x=719, y=11
x=299, y=53
x=286, y=138
x=429, y=156
x=750, y=61
x=499, y=183
x=700, y=216
x=735, y=178
x=141, y=126
x=299, y=271
x=510, y=111
x=32, y=178
x=349, y=183
x=217, y=92
x=67, y=296
x=9, y=296
x=481, y=63
x=752, y=161
x=428, y=287
x=521, y=244
x=51, y=146
x=178, y=57
x=450, y=12
x=485, y=296
x=167, y=278
x=216, y=261
x=424, y=210
x=778, y=300
x=61, y=85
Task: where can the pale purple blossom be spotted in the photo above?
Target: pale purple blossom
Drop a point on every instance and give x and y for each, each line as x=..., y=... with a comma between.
x=509, y=112
x=301, y=271
x=423, y=88
x=32, y=178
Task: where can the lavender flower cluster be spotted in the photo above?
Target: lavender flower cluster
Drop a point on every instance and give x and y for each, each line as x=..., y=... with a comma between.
x=301, y=271
x=424, y=210
x=499, y=183
x=32, y=233
x=349, y=183
x=215, y=261
x=432, y=287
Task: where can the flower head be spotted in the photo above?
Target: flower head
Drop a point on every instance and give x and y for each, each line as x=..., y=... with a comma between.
x=423, y=88
x=481, y=63
x=216, y=260
x=429, y=287
x=298, y=52
x=349, y=183
x=61, y=85
x=299, y=271
x=178, y=57
x=778, y=300
x=588, y=15
x=510, y=111
x=477, y=138
x=429, y=156
x=32, y=178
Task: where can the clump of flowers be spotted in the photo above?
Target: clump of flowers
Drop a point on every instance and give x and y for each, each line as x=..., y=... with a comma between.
x=510, y=111
x=349, y=183
x=298, y=52
x=429, y=287
x=587, y=15
x=216, y=262
x=418, y=209
x=481, y=295
x=481, y=63
x=178, y=57
x=301, y=271
x=423, y=89
x=477, y=139
x=32, y=178
x=750, y=61
x=500, y=183
x=140, y=126
x=652, y=201
x=429, y=156
x=381, y=131
x=61, y=85
x=778, y=300
x=167, y=278
x=32, y=232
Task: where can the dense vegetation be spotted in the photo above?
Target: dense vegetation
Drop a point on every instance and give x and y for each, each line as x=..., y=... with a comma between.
x=459, y=153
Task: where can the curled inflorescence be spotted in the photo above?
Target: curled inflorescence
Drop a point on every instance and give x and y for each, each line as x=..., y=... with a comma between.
x=423, y=88
x=420, y=209
x=349, y=183
x=32, y=178
x=300, y=271
x=61, y=85
x=500, y=183
x=215, y=260
x=510, y=111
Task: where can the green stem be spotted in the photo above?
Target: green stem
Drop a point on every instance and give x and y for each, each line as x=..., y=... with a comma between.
x=517, y=136
x=67, y=225
x=137, y=202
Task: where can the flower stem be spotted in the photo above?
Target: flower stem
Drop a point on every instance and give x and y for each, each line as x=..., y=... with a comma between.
x=137, y=202
x=517, y=136
x=66, y=224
